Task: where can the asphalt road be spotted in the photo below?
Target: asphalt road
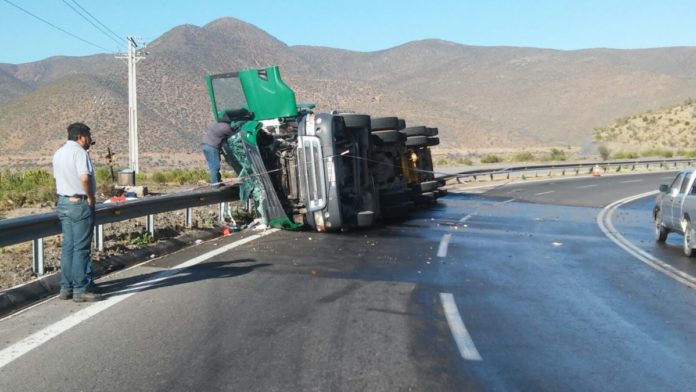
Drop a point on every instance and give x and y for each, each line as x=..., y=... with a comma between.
x=507, y=288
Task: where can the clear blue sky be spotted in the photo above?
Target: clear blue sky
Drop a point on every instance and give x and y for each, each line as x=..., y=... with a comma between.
x=355, y=24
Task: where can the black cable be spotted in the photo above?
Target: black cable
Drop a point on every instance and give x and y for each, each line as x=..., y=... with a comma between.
x=55, y=27
x=92, y=23
x=118, y=37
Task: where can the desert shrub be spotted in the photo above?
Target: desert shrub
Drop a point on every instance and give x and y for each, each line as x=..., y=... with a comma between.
x=604, y=152
x=18, y=188
x=464, y=161
x=490, y=158
x=159, y=178
x=556, y=155
x=625, y=155
x=523, y=156
x=657, y=152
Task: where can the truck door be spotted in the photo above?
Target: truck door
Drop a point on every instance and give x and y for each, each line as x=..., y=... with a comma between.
x=667, y=203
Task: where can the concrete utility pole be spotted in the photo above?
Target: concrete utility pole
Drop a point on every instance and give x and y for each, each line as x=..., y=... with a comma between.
x=133, y=57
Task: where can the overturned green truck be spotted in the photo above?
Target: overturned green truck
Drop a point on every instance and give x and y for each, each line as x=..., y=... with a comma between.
x=330, y=171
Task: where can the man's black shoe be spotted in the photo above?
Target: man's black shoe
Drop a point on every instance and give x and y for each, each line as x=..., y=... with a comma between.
x=87, y=296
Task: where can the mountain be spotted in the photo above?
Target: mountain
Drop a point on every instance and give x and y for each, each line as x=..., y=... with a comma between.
x=479, y=97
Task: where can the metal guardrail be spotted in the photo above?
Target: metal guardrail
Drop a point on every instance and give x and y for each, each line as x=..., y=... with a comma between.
x=36, y=227
x=577, y=168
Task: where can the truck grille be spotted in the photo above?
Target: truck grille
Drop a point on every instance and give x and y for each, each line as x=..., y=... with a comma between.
x=310, y=164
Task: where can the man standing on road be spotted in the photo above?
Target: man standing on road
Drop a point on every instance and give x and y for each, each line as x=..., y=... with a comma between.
x=76, y=188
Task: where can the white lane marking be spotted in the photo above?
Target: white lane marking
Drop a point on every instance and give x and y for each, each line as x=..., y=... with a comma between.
x=444, y=243
x=31, y=342
x=506, y=201
x=543, y=193
x=466, y=218
x=628, y=182
x=586, y=186
x=605, y=224
x=466, y=346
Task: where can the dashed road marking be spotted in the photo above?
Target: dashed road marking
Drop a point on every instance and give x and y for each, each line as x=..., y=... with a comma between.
x=630, y=181
x=543, y=193
x=444, y=243
x=466, y=346
x=586, y=186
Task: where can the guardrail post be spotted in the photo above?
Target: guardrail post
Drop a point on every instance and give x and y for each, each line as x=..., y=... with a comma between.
x=221, y=214
x=37, y=255
x=150, y=225
x=491, y=176
x=188, y=218
x=100, y=238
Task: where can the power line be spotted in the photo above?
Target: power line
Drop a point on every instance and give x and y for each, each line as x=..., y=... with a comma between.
x=56, y=27
x=118, y=37
x=90, y=22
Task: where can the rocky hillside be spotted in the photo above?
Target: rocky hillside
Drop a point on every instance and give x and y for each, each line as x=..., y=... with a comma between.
x=670, y=128
x=477, y=96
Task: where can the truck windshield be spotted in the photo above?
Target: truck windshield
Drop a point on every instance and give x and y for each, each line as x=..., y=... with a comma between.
x=226, y=92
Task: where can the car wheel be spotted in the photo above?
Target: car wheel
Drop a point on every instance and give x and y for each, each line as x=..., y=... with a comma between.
x=356, y=120
x=384, y=123
x=688, y=235
x=660, y=229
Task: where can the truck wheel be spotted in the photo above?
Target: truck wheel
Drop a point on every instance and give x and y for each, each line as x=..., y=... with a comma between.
x=688, y=235
x=356, y=120
x=660, y=229
x=384, y=137
x=402, y=124
x=384, y=123
x=416, y=141
x=433, y=141
x=414, y=131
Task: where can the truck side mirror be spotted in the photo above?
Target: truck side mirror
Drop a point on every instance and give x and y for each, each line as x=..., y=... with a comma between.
x=664, y=188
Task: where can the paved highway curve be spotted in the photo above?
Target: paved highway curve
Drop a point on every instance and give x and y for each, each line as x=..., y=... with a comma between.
x=510, y=287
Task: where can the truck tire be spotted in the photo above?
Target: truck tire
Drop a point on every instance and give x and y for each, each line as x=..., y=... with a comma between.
x=384, y=123
x=385, y=137
x=402, y=124
x=433, y=141
x=431, y=132
x=356, y=120
x=416, y=141
x=414, y=131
